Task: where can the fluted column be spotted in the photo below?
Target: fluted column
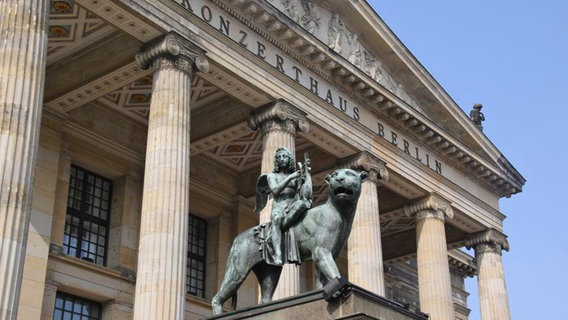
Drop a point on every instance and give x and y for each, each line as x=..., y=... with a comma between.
x=160, y=281
x=365, y=252
x=279, y=122
x=434, y=284
x=23, y=45
x=493, y=299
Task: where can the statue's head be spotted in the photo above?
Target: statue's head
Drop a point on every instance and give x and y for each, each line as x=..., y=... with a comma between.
x=283, y=159
x=478, y=106
x=345, y=184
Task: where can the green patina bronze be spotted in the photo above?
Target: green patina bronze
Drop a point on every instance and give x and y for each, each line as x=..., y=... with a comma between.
x=316, y=234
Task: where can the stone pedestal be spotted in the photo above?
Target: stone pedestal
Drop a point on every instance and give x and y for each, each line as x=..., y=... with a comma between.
x=351, y=302
x=23, y=48
x=162, y=255
x=493, y=299
x=434, y=284
x=279, y=122
x=365, y=252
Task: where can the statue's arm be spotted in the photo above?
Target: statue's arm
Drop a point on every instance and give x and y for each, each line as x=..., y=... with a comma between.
x=276, y=186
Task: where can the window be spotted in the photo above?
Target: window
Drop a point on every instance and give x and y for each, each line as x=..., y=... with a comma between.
x=68, y=307
x=88, y=210
x=195, y=279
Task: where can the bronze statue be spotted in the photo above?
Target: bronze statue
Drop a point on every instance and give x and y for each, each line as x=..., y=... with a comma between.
x=292, y=194
x=319, y=235
x=477, y=116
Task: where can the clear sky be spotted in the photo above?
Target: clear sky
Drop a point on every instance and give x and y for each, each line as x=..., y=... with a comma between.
x=511, y=56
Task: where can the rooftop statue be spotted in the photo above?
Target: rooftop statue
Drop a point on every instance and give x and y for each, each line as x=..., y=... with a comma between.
x=477, y=116
x=316, y=234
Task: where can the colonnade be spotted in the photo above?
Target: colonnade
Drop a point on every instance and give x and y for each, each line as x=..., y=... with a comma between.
x=161, y=258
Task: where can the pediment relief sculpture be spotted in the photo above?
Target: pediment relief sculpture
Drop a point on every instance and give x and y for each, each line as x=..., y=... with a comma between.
x=330, y=28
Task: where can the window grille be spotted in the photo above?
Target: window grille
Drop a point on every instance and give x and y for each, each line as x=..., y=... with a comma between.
x=87, y=220
x=195, y=278
x=68, y=307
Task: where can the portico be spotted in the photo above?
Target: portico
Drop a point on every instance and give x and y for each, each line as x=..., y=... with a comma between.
x=180, y=105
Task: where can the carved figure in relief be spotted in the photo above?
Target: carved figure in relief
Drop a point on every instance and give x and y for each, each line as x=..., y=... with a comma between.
x=336, y=29
x=293, y=9
x=310, y=20
x=356, y=53
x=373, y=67
x=477, y=116
x=320, y=234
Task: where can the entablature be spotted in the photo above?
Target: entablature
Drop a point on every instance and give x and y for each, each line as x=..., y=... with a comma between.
x=305, y=48
x=310, y=52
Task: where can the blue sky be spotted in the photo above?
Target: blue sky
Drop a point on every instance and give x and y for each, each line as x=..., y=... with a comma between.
x=512, y=56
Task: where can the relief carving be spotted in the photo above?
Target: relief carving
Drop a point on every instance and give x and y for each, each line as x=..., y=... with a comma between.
x=336, y=29
x=311, y=19
x=341, y=40
x=292, y=9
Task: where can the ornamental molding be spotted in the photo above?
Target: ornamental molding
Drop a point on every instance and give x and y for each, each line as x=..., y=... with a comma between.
x=172, y=51
x=122, y=19
x=339, y=72
x=490, y=239
x=368, y=162
x=462, y=263
x=432, y=206
x=98, y=88
x=279, y=111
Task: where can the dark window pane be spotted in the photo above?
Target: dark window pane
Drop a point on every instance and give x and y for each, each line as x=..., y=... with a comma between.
x=72, y=307
x=87, y=216
x=195, y=279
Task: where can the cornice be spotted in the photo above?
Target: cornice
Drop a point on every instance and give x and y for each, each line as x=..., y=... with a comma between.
x=462, y=262
x=279, y=30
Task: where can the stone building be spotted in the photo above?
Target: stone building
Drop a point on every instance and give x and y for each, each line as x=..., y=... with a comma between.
x=132, y=133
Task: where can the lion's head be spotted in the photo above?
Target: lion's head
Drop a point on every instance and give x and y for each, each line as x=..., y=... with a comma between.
x=345, y=184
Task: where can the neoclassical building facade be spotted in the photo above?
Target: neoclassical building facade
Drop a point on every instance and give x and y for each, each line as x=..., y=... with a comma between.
x=132, y=133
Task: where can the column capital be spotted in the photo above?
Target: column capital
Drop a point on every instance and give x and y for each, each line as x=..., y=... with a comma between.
x=277, y=116
x=432, y=206
x=366, y=161
x=488, y=240
x=172, y=51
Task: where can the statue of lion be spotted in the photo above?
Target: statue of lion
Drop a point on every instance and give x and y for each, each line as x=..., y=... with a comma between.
x=320, y=235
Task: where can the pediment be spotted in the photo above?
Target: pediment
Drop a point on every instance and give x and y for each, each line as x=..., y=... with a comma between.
x=354, y=31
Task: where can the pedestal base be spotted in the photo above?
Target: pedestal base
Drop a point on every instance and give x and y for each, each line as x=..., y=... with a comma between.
x=356, y=303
